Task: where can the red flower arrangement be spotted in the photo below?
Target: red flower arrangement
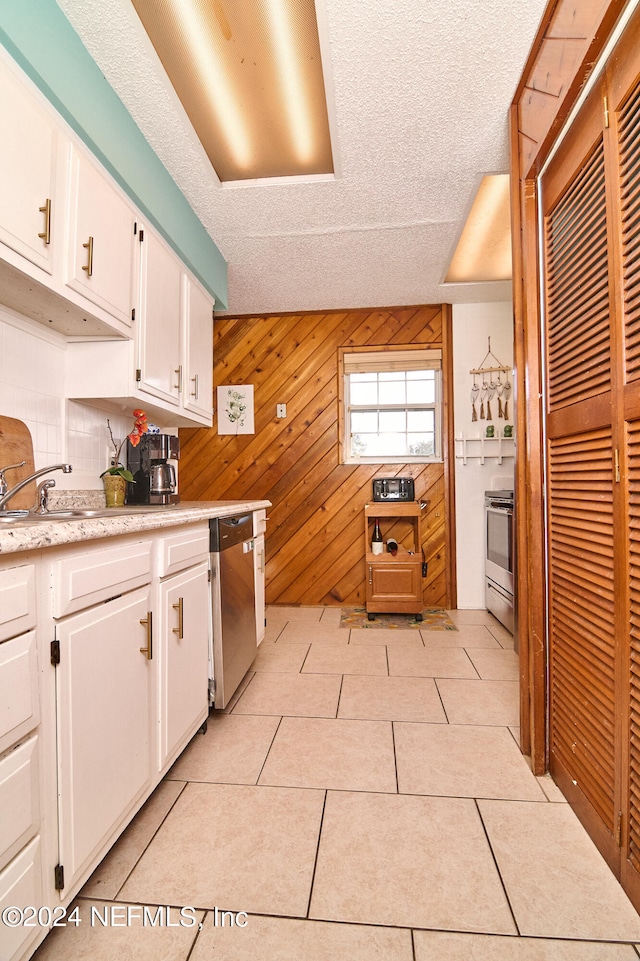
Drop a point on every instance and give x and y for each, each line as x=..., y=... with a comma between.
x=140, y=427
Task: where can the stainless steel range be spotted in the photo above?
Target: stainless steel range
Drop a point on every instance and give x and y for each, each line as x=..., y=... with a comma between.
x=500, y=556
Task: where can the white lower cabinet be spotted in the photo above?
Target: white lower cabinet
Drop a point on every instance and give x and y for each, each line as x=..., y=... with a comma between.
x=21, y=887
x=183, y=659
x=21, y=877
x=91, y=721
x=105, y=713
x=260, y=568
x=259, y=579
x=131, y=680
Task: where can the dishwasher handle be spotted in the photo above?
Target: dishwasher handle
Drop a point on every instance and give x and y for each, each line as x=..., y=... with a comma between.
x=225, y=532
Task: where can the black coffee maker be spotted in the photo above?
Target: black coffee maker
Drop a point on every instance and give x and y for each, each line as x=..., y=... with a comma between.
x=155, y=478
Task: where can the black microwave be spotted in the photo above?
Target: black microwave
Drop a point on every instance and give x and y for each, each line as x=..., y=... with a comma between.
x=393, y=489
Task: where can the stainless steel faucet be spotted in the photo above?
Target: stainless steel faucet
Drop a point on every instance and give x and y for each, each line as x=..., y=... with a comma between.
x=6, y=495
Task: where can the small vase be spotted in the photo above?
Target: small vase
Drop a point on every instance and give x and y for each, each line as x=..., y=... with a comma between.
x=115, y=488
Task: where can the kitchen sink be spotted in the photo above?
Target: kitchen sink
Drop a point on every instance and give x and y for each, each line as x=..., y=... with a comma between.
x=73, y=512
x=15, y=517
x=78, y=513
x=89, y=512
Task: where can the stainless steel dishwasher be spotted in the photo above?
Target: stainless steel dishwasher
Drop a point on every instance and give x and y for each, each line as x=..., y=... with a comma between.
x=233, y=599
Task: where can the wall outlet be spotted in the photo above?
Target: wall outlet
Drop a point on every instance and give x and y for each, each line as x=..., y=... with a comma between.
x=281, y=410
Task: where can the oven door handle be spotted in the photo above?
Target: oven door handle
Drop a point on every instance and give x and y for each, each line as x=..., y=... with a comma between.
x=491, y=509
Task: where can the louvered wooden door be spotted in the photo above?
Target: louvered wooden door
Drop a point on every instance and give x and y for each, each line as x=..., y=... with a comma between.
x=591, y=222
x=624, y=96
x=582, y=653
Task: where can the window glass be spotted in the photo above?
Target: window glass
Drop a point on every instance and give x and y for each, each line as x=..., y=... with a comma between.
x=364, y=393
x=393, y=415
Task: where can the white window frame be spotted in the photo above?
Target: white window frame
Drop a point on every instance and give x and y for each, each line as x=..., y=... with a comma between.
x=388, y=360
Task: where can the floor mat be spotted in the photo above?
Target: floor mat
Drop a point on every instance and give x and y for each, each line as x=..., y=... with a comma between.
x=433, y=619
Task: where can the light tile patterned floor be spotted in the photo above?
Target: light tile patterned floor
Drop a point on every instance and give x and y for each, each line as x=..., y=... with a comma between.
x=362, y=798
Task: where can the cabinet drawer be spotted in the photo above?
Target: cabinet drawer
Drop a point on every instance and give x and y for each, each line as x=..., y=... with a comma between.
x=21, y=886
x=87, y=578
x=17, y=601
x=19, y=798
x=184, y=549
x=18, y=689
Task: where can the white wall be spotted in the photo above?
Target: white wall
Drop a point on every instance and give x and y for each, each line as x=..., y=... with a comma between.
x=473, y=324
x=32, y=390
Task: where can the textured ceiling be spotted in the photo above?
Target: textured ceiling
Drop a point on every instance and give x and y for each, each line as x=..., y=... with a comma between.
x=420, y=92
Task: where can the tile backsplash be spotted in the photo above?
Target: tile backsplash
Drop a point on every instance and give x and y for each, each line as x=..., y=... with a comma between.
x=32, y=389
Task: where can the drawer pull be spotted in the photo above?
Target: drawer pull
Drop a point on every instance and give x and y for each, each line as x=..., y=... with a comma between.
x=148, y=622
x=179, y=607
x=46, y=210
x=88, y=267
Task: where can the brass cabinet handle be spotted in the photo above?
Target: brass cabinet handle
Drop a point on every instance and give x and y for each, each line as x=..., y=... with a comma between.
x=179, y=607
x=178, y=386
x=89, y=264
x=46, y=210
x=148, y=622
x=370, y=574
x=194, y=392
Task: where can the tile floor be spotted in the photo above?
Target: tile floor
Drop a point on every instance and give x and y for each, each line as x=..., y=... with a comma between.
x=362, y=798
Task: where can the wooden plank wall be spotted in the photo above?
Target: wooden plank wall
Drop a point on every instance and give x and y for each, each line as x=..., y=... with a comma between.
x=315, y=532
x=571, y=36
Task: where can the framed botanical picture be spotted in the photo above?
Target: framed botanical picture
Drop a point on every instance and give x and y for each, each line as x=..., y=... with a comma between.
x=235, y=409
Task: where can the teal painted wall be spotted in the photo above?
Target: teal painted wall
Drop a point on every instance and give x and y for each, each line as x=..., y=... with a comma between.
x=42, y=41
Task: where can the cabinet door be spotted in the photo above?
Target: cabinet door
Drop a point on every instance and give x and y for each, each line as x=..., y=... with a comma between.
x=19, y=697
x=21, y=886
x=185, y=612
x=159, y=362
x=101, y=254
x=27, y=173
x=260, y=570
x=104, y=686
x=394, y=586
x=198, y=349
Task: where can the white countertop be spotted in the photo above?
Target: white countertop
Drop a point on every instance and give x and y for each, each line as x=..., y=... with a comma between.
x=126, y=520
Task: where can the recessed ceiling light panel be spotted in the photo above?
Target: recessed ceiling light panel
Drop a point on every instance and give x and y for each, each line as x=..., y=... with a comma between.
x=249, y=75
x=484, y=249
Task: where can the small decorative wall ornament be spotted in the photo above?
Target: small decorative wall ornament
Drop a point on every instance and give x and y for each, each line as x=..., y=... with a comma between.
x=475, y=390
x=235, y=409
x=495, y=384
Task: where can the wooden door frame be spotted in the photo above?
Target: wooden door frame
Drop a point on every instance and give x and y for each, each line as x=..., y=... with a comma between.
x=448, y=455
x=533, y=136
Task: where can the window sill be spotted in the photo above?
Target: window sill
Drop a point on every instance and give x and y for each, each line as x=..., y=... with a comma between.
x=392, y=460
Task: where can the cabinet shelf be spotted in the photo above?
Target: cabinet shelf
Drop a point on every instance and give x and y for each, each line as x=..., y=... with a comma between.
x=481, y=448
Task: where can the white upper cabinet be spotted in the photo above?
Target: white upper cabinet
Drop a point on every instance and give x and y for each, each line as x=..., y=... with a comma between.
x=101, y=251
x=197, y=349
x=28, y=201
x=76, y=255
x=167, y=370
x=159, y=361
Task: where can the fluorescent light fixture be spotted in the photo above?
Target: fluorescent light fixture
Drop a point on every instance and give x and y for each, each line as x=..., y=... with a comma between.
x=249, y=75
x=484, y=249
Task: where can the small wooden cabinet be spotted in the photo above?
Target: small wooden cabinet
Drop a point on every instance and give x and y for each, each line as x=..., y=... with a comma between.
x=394, y=583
